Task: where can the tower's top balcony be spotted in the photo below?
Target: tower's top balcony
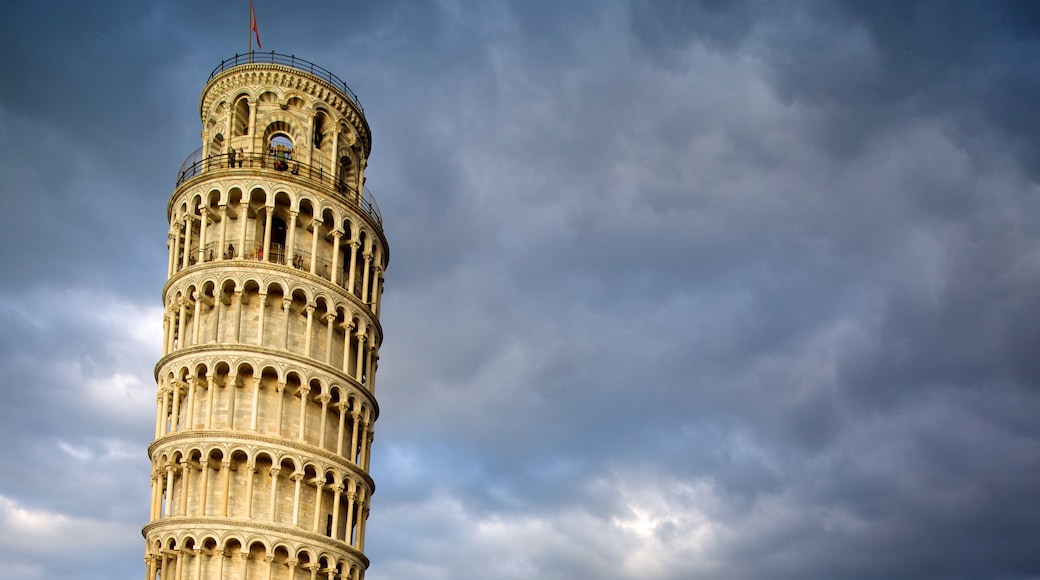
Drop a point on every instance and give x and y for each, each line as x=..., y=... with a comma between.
x=291, y=61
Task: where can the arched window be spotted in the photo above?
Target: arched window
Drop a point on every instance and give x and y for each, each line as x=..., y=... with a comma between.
x=280, y=148
x=319, y=129
x=345, y=173
x=240, y=123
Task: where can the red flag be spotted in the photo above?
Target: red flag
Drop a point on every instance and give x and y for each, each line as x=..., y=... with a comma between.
x=252, y=16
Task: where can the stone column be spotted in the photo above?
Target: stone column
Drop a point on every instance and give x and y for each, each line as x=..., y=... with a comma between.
x=204, y=491
x=377, y=293
x=278, y=413
x=171, y=246
x=318, y=486
x=367, y=375
x=355, y=420
x=162, y=566
x=365, y=276
x=219, y=553
x=366, y=464
x=170, y=340
x=243, y=558
x=160, y=411
x=374, y=361
x=243, y=216
x=164, y=425
x=169, y=492
x=361, y=336
x=267, y=233
x=342, y=408
x=354, y=245
x=196, y=318
x=218, y=303
x=304, y=391
x=203, y=224
x=211, y=388
x=296, y=477
x=286, y=303
x=155, y=489
x=198, y=563
x=177, y=228
x=348, y=328
x=166, y=334
x=275, y=470
x=251, y=470
x=361, y=528
x=177, y=565
x=232, y=391
x=337, y=491
x=225, y=467
x=315, y=232
x=307, y=335
x=175, y=392
x=189, y=419
x=239, y=297
x=324, y=398
x=330, y=324
x=223, y=232
x=260, y=320
x=185, y=468
x=351, y=496
x=336, y=235
x=256, y=404
x=270, y=566
x=290, y=250
x=182, y=309
x=365, y=438
x=186, y=255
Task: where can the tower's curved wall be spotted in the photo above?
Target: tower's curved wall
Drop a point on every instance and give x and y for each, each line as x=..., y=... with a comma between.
x=266, y=385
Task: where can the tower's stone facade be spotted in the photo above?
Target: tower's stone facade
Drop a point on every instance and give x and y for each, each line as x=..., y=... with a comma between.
x=266, y=384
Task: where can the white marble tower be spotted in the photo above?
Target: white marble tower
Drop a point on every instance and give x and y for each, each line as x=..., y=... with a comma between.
x=266, y=385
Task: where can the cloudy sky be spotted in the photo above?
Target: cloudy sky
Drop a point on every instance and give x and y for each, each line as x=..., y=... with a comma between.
x=736, y=290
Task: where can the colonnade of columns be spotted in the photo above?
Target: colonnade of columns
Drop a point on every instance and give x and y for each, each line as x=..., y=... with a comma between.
x=188, y=563
x=346, y=508
x=193, y=413
x=188, y=246
x=360, y=354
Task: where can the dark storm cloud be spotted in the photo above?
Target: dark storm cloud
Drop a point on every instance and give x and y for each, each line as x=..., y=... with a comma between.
x=677, y=289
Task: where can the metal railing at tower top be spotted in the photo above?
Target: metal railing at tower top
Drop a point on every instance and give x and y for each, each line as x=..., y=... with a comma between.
x=291, y=61
x=196, y=165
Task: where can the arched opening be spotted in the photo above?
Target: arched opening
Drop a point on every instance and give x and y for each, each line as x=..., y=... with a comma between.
x=240, y=122
x=280, y=147
x=346, y=170
x=320, y=127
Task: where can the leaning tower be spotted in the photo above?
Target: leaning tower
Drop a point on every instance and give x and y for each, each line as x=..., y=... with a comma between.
x=266, y=385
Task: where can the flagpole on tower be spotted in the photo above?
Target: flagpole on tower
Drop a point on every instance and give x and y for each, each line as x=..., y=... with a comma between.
x=253, y=30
